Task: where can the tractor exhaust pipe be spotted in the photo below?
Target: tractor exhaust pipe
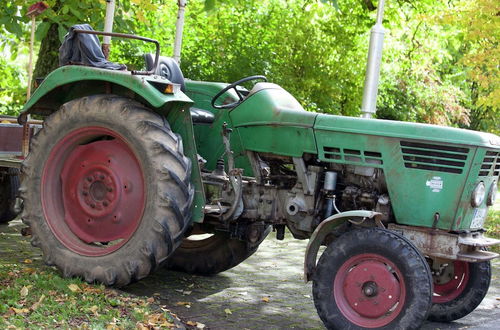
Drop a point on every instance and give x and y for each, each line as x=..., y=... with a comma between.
x=370, y=91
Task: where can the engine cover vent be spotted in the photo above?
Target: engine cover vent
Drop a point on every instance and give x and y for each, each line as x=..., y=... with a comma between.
x=433, y=157
x=491, y=164
x=353, y=156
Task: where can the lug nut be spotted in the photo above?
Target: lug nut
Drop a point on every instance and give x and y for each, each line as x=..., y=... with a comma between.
x=105, y=203
x=110, y=189
x=101, y=177
x=90, y=179
x=92, y=206
x=84, y=193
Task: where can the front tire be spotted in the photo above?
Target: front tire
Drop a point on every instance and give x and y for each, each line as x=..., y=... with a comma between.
x=372, y=278
x=458, y=289
x=106, y=190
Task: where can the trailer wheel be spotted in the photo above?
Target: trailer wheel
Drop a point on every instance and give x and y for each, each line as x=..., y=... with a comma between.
x=372, y=278
x=210, y=254
x=106, y=190
x=9, y=186
x=458, y=289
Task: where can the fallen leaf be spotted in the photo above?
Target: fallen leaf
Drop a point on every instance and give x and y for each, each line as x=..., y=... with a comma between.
x=94, y=310
x=29, y=270
x=20, y=310
x=183, y=303
x=228, y=311
x=24, y=292
x=74, y=288
x=191, y=323
x=38, y=303
x=200, y=325
x=150, y=300
x=265, y=299
x=157, y=294
x=187, y=292
x=28, y=261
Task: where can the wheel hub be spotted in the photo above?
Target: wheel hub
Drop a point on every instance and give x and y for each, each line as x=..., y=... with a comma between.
x=99, y=189
x=450, y=282
x=94, y=192
x=369, y=290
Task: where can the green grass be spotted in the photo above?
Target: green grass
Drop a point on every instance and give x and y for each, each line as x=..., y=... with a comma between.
x=492, y=224
x=35, y=296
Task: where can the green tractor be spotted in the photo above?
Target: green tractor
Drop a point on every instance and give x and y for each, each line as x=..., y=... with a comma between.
x=136, y=169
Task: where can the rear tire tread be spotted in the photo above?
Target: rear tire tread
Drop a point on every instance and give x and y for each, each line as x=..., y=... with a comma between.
x=138, y=257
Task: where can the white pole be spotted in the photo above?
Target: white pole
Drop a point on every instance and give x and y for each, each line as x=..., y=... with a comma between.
x=108, y=26
x=370, y=91
x=179, y=27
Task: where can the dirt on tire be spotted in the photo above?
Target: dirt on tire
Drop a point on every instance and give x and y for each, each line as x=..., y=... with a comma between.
x=167, y=189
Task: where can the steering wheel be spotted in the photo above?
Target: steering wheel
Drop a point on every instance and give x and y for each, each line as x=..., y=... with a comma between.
x=233, y=86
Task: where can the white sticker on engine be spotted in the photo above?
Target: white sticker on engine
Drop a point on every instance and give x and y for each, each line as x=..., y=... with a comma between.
x=436, y=184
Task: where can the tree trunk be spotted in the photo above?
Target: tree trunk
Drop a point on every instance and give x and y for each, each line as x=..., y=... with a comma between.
x=48, y=56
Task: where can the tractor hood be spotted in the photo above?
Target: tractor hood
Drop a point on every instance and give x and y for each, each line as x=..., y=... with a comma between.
x=406, y=130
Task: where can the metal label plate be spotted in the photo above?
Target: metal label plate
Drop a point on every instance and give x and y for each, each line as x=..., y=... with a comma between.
x=478, y=218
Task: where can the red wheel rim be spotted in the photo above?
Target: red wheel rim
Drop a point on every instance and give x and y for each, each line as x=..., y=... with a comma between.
x=369, y=290
x=93, y=191
x=458, y=277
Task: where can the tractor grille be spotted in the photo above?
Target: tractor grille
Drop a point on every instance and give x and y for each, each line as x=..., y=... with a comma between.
x=433, y=157
x=491, y=164
x=361, y=157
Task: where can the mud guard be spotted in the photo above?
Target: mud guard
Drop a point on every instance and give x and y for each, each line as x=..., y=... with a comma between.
x=324, y=229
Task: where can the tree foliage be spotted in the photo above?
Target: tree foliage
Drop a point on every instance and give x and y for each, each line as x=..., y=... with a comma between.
x=440, y=62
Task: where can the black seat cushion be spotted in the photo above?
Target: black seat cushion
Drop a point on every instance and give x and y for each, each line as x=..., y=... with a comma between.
x=200, y=116
x=168, y=68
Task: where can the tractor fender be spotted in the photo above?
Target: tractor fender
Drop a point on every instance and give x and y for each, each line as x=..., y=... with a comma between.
x=326, y=227
x=74, y=81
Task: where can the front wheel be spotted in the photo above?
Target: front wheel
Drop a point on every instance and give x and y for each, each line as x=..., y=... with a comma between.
x=372, y=278
x=459, y=287
x=106, y=190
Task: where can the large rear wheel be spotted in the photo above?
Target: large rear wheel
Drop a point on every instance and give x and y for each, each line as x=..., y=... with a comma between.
x=106, y=190
x=372, y=278
x=459, y=287
x=211, y=253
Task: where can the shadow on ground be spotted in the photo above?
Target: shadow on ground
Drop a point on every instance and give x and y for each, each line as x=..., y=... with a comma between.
x=265, y=292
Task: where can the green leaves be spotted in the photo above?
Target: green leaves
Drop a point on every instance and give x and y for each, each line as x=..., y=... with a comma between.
x=42, y=30
x=440, y=59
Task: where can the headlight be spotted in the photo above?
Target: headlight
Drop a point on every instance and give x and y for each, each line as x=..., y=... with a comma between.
x=492, y=194
x=478, y=194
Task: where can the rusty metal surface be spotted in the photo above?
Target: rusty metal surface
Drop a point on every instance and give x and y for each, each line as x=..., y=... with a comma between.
x=441, y=244
x=11, y=136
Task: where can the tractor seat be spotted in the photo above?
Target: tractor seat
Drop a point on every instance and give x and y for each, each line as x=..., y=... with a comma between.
x=200, y=116
x=168, y=68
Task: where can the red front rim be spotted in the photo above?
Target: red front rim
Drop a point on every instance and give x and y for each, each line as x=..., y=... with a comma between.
x=369, y=290
x=452, y=283
x=93, y=191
